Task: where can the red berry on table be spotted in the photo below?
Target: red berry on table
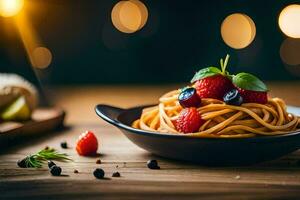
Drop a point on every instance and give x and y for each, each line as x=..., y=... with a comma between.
x=189, y=121
x=213, y=86
x=189, y=98
x=87, y=144
x=253, y=96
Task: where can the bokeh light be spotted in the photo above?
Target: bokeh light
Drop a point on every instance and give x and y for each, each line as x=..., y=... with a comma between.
x=290, y=51
x=129, y=16
x=41, y=57
x=289, y=21
x=10, y=8
x=238, y=30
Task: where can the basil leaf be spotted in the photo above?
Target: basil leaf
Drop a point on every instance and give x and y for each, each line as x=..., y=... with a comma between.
x=248, y=81
x=206, y=72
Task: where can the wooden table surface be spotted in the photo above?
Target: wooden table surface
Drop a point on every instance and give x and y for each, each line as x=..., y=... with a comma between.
x=279, y=179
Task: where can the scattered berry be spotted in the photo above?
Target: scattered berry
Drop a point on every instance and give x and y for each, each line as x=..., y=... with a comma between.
x=189, y=98
x=213, y=86
x=253, y=96
x=55, y=170
x=50, y=163
x=64, y=145
x=233, y=97
x=76, y=171
x=152, y=164
x=116, y=174
x=22, y=163
x=189, y=121
x=87, y=144
x=98, y=161
x=99, y=173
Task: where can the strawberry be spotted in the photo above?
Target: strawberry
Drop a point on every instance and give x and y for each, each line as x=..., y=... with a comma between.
x=189, y=121
x=213, y=86
x=87, y=144
x=253, y=96
x=212, y=82
x=251, y=88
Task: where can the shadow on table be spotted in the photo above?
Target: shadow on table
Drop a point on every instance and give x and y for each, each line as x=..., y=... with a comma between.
x=291, y=160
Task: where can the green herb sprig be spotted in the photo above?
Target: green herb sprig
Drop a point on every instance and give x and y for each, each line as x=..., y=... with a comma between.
x=211, y=71
x=38, y=159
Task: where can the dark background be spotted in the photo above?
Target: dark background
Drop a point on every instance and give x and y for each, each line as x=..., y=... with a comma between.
x=179, y=38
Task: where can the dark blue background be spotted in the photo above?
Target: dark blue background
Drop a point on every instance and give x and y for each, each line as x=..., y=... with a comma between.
x=179, y=38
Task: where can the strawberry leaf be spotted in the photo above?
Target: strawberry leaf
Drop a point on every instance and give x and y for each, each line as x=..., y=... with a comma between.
x=248, y=81
x=206, y=72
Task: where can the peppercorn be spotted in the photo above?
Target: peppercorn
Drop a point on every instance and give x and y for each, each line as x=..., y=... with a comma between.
x=152, y=164
x=55, y=170
x=99, y=173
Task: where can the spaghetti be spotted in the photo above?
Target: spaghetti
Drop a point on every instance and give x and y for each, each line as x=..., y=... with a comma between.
x=221, y=120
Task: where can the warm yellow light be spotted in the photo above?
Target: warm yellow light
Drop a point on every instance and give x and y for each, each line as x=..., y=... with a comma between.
x=129, y=16
x=289, y=21
x=144, y=12
x=238, y=30
x=41, y=57
x=290, y=51
x=9, y=8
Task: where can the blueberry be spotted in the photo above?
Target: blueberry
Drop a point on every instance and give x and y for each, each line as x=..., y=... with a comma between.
x=55, y=170
x=99, y=173
x=152, y=164
x=189, y=98
x=233, y=97
x=64, y=145
x=50, y=163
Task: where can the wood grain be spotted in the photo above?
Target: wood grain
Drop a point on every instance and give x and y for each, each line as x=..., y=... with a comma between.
x=279, y=179
x=42, y=120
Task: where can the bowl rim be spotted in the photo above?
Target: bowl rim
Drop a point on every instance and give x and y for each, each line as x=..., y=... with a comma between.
x=117, y=123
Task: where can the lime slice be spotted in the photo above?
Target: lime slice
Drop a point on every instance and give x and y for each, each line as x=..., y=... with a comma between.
x=18, y=110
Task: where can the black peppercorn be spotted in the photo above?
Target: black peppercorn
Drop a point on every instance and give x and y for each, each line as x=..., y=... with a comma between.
x=22, y=163
x=64, y=145
x=152, y=164
x=99, y=173
x=55, y=170
x=50, y=163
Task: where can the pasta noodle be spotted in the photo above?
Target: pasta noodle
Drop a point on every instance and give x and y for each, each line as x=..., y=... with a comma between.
x=221, y=120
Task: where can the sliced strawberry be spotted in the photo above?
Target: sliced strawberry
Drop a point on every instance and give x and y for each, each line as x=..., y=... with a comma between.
x=189, y=121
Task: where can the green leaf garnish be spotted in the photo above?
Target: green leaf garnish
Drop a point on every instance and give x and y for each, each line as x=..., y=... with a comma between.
x=38, y=159
x=206, y=72
x=211, y=71
x=249, y=82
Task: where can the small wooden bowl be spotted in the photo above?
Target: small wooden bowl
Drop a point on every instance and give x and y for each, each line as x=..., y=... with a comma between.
x=43, y=120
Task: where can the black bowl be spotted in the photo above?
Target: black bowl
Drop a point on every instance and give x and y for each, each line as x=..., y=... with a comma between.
x=207, y=151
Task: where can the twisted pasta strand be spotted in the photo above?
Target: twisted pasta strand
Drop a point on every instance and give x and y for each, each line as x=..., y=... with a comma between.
x=222, y=120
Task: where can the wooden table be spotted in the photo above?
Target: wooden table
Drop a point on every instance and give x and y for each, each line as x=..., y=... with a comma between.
x=278, y=179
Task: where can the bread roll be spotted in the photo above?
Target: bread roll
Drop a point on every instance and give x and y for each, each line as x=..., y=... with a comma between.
x=13, y=86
